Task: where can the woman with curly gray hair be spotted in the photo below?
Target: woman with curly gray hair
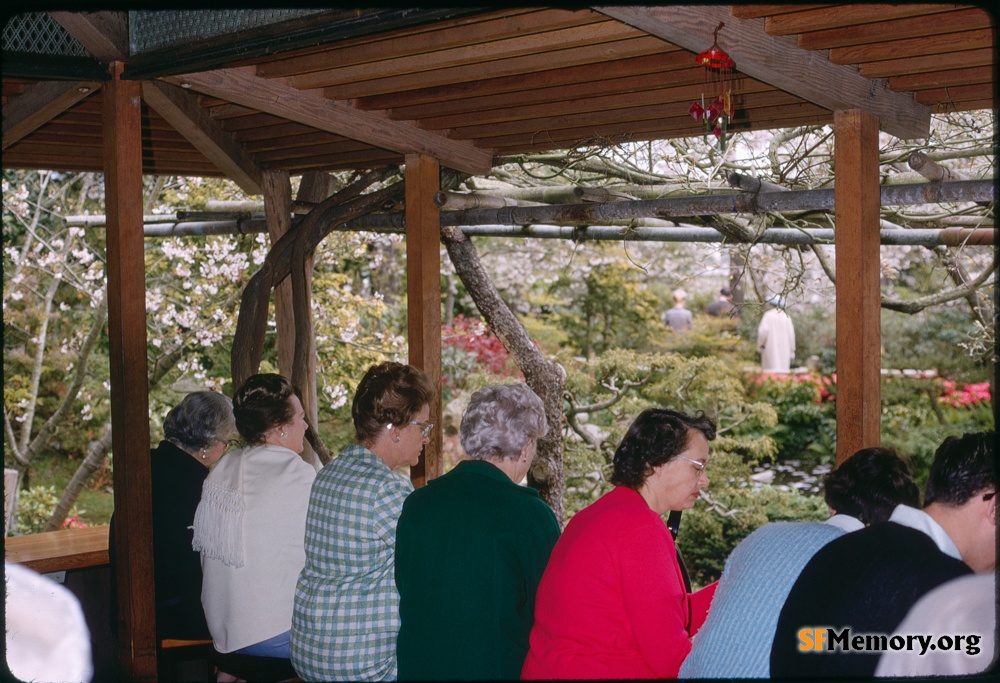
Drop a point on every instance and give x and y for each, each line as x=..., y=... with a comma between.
x=471, y=547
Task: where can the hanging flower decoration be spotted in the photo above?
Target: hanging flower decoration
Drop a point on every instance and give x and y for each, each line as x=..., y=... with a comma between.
x=719, y=68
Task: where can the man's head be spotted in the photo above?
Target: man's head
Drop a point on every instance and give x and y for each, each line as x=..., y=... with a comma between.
x=963, y=468
x=725, y=293
x=961, y=496
x=870, y=484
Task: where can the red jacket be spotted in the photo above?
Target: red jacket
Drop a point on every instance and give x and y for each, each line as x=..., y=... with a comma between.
x=612, y=603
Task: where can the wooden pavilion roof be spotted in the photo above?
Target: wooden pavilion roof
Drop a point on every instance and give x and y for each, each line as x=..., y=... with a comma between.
x=351, y=89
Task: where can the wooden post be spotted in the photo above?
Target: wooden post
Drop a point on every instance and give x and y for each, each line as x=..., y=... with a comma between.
x=129, y=377
x=858, y=312
x=423, y=291
x=278, y=212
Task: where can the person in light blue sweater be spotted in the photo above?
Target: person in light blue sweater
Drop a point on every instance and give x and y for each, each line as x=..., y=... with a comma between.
x=735, y=641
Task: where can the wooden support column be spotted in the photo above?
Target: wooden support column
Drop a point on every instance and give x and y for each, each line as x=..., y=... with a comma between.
x=278, y=212
x=129, y=378
x=857, y=201
x=423, y=292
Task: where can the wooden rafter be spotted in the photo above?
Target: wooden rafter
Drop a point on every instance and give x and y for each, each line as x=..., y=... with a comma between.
x=39, y=104
x=778, y=61
x=275, y=96
x=182, y=111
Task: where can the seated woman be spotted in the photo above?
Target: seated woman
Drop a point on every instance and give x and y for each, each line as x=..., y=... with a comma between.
x=612, y=602
x=346, y=607
x=471, y=547
x=250, y=522
x=195, y=434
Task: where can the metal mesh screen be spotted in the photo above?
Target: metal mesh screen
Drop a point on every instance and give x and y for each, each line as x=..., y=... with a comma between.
x=38, y=33
x=156, y=30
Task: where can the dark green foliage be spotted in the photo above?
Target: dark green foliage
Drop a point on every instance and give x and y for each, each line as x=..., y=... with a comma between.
x=931, y=340
x=610, y=308
x=806, y=424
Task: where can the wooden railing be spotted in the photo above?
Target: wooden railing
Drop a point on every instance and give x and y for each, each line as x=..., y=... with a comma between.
x=54, y=551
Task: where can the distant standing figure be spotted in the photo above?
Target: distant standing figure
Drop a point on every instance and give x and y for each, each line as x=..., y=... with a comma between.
x=776, y=338
x=723, y=306
x=471, y=547
x=678, y=317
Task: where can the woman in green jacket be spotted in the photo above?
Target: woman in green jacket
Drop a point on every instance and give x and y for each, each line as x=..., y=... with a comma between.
x=471, y=547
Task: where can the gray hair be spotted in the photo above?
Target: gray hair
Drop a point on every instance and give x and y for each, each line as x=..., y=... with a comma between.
x=199, y=420
x=500, y=420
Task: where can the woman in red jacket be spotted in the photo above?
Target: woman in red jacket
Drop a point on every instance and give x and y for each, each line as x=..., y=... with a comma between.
x=612, y=602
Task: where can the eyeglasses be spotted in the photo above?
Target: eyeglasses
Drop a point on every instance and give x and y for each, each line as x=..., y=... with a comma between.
x=426, y=427
x=698, y=464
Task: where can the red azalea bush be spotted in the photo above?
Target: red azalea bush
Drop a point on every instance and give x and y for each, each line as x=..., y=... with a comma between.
x=468, y=345
x=969, y=395
x=826, y=385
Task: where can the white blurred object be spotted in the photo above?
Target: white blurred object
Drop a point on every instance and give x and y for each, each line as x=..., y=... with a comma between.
x=47, y=636
x=963, y=606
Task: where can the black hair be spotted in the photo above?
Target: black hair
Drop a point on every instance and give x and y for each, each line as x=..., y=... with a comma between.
x=963, y=467
x=654, y=437
x=870, y=484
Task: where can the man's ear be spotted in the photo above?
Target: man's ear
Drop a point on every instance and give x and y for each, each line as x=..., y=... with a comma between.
x=990, y=509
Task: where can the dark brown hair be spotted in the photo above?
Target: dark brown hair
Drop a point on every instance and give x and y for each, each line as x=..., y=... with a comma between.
x=389, y=393
x=261, y=404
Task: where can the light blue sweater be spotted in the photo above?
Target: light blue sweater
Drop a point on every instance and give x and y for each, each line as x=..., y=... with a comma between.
x=735, y=641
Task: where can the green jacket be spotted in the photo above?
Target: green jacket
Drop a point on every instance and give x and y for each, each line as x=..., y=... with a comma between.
x=471, y=547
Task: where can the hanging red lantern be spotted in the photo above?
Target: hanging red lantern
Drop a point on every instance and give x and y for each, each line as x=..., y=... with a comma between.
x=719, y=69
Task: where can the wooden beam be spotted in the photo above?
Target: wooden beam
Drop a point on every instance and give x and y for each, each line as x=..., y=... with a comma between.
x=181, y=110
x=103, y=34
x=856, y=216
x=39, y=104
x=275, y=96
x=777, y=60
x=129, y=377
x=423, y=293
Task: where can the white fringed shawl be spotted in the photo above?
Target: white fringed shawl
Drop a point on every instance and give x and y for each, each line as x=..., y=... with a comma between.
x=249, y=529
x=218, y=521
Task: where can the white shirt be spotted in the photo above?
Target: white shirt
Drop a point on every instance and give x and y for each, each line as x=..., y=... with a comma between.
x=846, y=522
x=921, y=521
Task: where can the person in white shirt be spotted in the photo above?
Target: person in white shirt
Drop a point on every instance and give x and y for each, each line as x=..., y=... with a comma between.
x=776, y=337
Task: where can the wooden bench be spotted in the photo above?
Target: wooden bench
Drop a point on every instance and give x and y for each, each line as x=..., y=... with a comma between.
x=54, y=551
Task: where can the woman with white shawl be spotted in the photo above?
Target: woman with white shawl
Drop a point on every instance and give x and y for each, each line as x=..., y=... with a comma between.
x=249, y=526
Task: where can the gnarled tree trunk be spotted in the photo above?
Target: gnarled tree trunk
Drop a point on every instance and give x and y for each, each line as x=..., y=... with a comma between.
x=545, y=377
x=287, y=257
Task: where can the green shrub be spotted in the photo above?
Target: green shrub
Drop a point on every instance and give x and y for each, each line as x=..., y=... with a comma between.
x=34, y=507
x=806, y=427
